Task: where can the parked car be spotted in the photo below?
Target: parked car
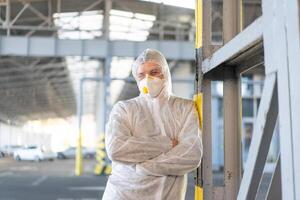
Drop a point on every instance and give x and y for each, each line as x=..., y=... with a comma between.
x=2, y=154
x=33, y=153
x=71, y=153
x=10, y=149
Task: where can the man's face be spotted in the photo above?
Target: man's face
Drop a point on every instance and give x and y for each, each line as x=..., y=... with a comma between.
x=150, y=68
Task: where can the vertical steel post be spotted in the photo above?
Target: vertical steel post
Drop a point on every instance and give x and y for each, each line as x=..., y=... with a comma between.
x=7, y=20
x=78, y=161
x=274, y=190
x=79, y=158
x=282, y=49
x=232, y=134
x=49, y=12
x=105, y=26
x=106, y=89
x=207, y=141
x=204, y=183
x=232, y=112
x=292, y=21
x=198, y=97
x=107, y=61
x=206, y=85
x=100, y=102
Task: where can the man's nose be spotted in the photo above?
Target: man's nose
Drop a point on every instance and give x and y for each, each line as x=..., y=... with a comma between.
x=149, y=77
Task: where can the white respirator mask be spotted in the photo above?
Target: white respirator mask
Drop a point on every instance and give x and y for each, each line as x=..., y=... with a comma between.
x=151, y=85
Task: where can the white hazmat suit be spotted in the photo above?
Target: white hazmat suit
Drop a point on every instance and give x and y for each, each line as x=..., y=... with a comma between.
x=145, y=166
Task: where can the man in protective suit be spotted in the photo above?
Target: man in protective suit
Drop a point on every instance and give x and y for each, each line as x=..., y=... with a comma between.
x=153, y=140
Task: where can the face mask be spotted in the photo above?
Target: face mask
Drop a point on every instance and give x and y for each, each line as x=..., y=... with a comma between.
x=151, y=86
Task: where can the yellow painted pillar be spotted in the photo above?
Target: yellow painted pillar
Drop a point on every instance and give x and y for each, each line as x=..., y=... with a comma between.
x=198, y=99
x=78, y=161
x=198, y=93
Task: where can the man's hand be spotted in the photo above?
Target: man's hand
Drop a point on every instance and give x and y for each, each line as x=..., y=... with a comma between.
x=174, y=142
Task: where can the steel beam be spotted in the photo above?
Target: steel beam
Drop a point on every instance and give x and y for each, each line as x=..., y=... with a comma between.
x=207, y=141
x=106, y=16
x=106, y=89
x=292, y=21
x=274, y=191
x=261, y=139
x=232, y=133
x=8, y=15
x=239, y=44
x=207, y=112
x=98, y=48
x=232, y=96
x=282, y=49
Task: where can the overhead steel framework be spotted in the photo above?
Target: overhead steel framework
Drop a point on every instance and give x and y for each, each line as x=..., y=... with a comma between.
x=35, y=33
x=27, y=17
x=34, y=74
x=271, y=43
x=31, y=88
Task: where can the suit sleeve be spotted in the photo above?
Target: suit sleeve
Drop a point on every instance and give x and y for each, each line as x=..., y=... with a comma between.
x=184, y=157
x=121, y=146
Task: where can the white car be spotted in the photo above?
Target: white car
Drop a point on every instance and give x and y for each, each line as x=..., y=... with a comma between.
x=71, y=153
x=10, y=149
x=33, y=153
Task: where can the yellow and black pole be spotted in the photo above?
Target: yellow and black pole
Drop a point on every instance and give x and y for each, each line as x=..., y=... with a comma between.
x=78, y=161
x=198, y=97
x=78, y=158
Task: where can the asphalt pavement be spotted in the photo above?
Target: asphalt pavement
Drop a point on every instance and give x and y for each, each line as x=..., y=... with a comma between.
x=48, y=181
x=55, y=180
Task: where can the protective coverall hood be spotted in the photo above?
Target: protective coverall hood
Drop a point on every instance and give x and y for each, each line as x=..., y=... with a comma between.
x=152, y=55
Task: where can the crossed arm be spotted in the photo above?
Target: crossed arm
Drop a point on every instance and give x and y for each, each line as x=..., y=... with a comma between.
x=121, y=146
x=154, y=155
